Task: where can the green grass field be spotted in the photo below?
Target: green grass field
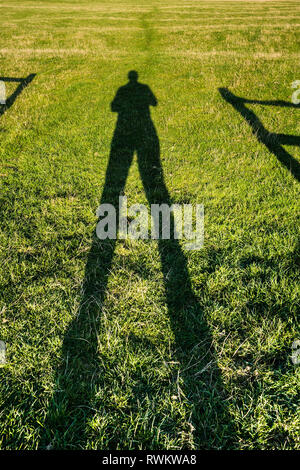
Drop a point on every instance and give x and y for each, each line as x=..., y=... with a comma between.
x=155, y=347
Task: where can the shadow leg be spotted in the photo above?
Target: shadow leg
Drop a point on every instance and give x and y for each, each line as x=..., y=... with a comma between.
x=79, y=375
x=203, y=393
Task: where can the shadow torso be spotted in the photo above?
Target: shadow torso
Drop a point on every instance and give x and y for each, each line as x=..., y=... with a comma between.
x=132, y=103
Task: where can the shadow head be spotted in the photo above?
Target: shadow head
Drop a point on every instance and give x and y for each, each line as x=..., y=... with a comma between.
x=133, y=76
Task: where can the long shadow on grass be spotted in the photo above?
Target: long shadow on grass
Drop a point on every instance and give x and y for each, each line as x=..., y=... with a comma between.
x=23, y=82
x=82, y=376
x=272, y=141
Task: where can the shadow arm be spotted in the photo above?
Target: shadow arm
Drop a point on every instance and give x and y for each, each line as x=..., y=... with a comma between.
x=152, y=98
x=116, y=103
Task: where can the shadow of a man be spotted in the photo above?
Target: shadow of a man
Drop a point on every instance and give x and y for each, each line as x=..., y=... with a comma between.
x=195, y=375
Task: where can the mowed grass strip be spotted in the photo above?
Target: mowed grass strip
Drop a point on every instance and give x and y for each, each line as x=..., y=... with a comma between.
x=231, y=383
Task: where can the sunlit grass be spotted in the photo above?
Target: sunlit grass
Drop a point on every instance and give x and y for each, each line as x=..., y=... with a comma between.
x=55, y=143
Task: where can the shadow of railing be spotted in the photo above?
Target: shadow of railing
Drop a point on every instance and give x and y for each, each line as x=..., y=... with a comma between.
x=23, y=83
x=272, y=141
